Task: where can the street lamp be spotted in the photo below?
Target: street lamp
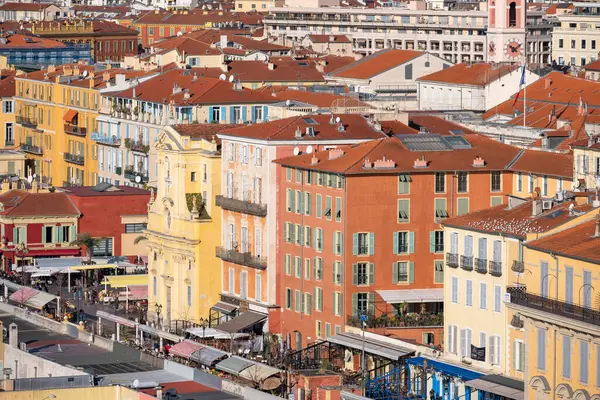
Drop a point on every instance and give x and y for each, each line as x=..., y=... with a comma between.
x=203, y=324
x=23, y=250
x=158, y=309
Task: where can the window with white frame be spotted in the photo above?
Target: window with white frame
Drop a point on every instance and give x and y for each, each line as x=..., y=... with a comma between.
x=465, y=342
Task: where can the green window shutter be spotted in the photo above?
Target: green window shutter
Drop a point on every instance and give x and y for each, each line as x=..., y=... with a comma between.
x=355, y=244
x=432, y=241
x=372, y=243
x=340, y=304
x=322, y=246
x=55, y=234
x=411, y=272
x=319, y=206
x=334, y=243
x=355, y=274
x=60, y=235
x=315, y=296
x=73, y=233
x=354, y=304
x=308, y=303
x=285, y=232
x=371, y=273
x=333, y=272
x=315, y=267
x=394, y=273
x=371, y=304
x=496, y=200
x=341, y=243
x=292, y=201
x=411, y=242
x=301, y=196
x=333, y=308
x=308, y=203
x=396, y=235
x=43, y=234
x=463, y=206
x=341, y=273
x=24, y=234
x=15, y=234
x=315, y=238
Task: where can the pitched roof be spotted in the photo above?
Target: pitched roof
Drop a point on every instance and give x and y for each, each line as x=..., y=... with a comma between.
x=98, y=26
x=517, y=221
x=202, y=131
x=76, y=80
x=25, y=6
x=480, y=74
x=7, y=83
x=393, y=155
x=375, y=64
x=544, y=163
x=435, y=124
x=18, y=203
x=577, y=242
x=589, y=143
x=319, y=99
x=201, y=90
x=356, y=128
x=394, y=127
x=329, y=39
x=196, y=17
x=92, y=191
x=30, y=42
x=593, y=66
x=287, y=70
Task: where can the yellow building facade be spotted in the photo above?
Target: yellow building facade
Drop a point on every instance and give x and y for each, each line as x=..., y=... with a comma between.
x=554, y=307
x=184, y=226
x=56, y=112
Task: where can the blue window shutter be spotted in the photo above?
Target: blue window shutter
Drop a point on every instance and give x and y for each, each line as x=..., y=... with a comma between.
x=244, y=111
x=223, y=111
x=411, y=272
x=372, y=243
x=231, y=115
x=411, y=242
x=569, y=285
x=265, y=113
x=210, y=120
x=355, y=274
x=253, y=112
x=396, y=235
x=394, y=273
x=355, y=244
x=432, y=241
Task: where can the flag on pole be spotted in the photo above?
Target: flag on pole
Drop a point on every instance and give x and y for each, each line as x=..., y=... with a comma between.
x=521, y=84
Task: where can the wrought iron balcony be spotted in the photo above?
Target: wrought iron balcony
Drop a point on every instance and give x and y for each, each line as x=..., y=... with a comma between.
x=518, y=266
x=480, y=266
x=71, y=184
x=107, y=140
x=452, y=260
x=137, y=146
x=520, y=296
x=246, y=259
x=466, y=263
x=75, y=130
x=398, y=321
x=29, y=148
x=26, y=120
x=74, y=158
x=135, y=176
x=242, y=206
x=495, y=268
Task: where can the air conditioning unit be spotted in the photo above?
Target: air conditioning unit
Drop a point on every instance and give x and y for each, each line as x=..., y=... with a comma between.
x=546, y=204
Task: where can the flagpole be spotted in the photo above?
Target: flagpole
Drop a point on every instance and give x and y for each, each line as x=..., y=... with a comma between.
x=525, y=83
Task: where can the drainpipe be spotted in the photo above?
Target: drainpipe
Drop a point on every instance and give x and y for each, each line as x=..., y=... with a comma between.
x=553, y=386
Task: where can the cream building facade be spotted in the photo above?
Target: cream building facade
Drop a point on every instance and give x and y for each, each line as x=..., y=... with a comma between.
x=576, y=41
x=184, y=225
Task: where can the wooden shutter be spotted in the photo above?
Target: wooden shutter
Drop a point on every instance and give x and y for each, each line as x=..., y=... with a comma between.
x=371, y=273
x=371, y=243
x=355, y=274
x=411, y=272
x=394, y=273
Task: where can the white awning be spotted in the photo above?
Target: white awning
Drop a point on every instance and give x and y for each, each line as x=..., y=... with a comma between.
x=371, y=346
x=214, y=333
x=505, y=390
x=412, y=295
x=160, y=333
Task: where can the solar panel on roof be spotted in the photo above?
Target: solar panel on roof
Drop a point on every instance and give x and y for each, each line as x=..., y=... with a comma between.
x=457, y=142
x=310, y=121
x=457, y=131
x=424, y=142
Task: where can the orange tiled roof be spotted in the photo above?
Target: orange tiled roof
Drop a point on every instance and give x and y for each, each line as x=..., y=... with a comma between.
x=593, y=66
x=435, y=124
x=18, y=203
x=30, y=42
x=356, y=128
x=287, y=70
x=480, y=74
x=544, y=163
x=517, y=221
x=7, y=83
x=496, y=156
x=577, y=242
x=395, y=127
x=203, y=131
x=24, y=6
x=329, y=39
x=195, y=17
x=376, y=64
x=201, y=90
x=319, y=99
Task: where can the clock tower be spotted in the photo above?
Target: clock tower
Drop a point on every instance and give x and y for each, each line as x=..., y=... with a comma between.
x=506, y=31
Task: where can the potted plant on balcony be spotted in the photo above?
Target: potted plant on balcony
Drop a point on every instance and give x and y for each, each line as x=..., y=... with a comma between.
x=145, y=148
x=127, y=143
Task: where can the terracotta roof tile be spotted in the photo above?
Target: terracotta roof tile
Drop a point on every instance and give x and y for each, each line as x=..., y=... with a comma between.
x=577, y=242
x=356, y=128
x=199, y=18
x=517, y=221
x=376, y=64
x=7, y=83
x=24, y=6
x=329, y=39
x=319, y=99
x=395, y=127
x=30, y=42
x=287, y=70
x=18, y=203
x=544, y=163
x=203, y=131
x=435, y=124
x=480, y=74
x=593, y=66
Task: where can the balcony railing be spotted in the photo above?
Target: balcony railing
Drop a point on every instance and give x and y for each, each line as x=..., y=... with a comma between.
x=71, y=184
x=29, y=148
x=519, y=295
x=495, y=268
x=480, y=265
x=236, y=257
x=107, y=140
x=466, y=262
x=452, y=260
x=74, y=158
x=518, y=266
x=26, y=121
x=137, y=145
x=135, y=176
x=75, y=130
x=242, y=206
x=408, y=320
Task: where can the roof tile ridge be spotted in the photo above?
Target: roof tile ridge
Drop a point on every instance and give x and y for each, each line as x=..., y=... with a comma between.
x=380, y=141
x=285, y=126
x=359, y=62
x=516, y=158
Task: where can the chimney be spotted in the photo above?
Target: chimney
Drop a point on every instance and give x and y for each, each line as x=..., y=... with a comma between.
x=106, y=76
x=298, y=133
x=176, y=88
x=536, y=208
x=67, y=71
x=314, y=160
x=421, y=163
x=478, y=162
x=13, y=335
x=186, y=94
x=547, y=83
x=271, y=66
x=224, y=41
x=224, y=67
x=367, y=164
x=34, y=187
x=76, y=70
x=321, y=68
x=384, y=163
x=51, y=69
x=159, y=392
x=335, y=153
x=597, y=232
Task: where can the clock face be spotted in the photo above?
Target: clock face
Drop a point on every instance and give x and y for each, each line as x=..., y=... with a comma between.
x=513, y=48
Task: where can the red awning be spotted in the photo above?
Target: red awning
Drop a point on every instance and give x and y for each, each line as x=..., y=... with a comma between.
x=185, y=349
x=23, y=294
x=47, y=252
x=69, y=115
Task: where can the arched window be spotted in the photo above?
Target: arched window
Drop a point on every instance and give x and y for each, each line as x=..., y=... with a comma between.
x=512, y=14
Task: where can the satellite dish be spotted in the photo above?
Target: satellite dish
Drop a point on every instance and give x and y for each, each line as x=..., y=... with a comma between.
x=85, y=73
x=179, y=33
x=222, y=77
x=338, y=119
x=288, y=103
x=138, y=179
x=136, y=383
x=577, y=184
x=296, y=151
x=309, y=150
x=231, y=78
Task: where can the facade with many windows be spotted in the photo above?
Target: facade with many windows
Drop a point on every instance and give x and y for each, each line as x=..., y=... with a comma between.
x=575, y=40
x=360, y=232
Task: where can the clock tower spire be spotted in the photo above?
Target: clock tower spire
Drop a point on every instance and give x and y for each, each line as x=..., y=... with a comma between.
x=506, y=31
